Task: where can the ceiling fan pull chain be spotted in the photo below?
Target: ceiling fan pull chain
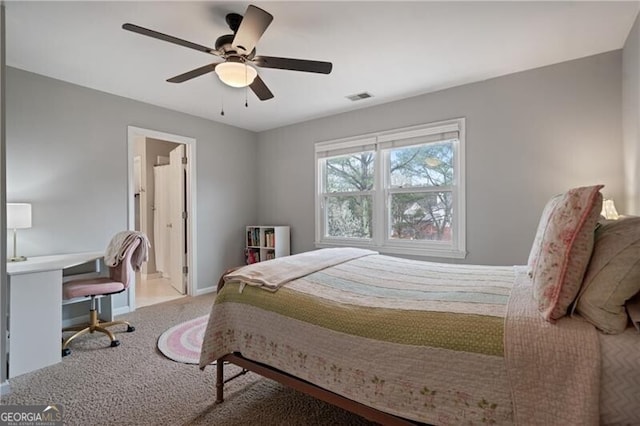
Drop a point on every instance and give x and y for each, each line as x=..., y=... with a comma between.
x=246, y=88
x=222, y=102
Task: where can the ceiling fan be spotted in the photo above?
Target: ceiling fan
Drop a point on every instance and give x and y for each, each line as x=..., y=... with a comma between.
x=239, y=53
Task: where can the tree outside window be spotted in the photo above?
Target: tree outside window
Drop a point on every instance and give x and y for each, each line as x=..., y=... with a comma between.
x=425, y=211
x=349, y=205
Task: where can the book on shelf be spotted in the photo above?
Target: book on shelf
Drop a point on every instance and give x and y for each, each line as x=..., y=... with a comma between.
x=270, y=238
x=253, y=237
x=251, y=256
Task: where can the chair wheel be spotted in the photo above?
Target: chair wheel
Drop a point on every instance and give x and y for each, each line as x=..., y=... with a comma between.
x=130, y=328
x=66, y=351
x=115, y=343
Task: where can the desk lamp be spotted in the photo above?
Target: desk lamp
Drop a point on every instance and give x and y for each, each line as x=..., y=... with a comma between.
x=18, y=217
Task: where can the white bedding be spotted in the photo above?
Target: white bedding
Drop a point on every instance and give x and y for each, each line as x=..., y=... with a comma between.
x=620, y=382
x=261, y=325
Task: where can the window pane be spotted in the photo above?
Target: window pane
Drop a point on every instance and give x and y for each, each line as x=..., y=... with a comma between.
x=349, y=216
x=422, y=165
x=353, y=172
x=421, y=216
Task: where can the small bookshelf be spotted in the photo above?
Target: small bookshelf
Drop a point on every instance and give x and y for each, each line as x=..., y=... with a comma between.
x=266, y=243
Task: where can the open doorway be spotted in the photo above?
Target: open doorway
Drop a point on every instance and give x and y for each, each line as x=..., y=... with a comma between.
x=161, y=200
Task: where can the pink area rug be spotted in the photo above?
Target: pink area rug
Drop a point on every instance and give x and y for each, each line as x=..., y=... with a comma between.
x=182, y=342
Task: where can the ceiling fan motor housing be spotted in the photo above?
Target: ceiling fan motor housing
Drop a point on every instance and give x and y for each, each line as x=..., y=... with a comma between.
x=223, y=43
x=233, y=20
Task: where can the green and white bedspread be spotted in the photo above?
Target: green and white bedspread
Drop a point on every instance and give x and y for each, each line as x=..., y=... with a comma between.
x=421, y=340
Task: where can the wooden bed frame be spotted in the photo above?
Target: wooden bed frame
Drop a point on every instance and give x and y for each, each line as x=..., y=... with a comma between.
x=303, y=386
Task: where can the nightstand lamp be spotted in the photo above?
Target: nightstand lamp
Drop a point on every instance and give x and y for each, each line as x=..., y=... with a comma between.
x=609, y=210
x=18, y=217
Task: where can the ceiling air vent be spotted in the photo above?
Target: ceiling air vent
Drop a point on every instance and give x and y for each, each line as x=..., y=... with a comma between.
x=359, y=96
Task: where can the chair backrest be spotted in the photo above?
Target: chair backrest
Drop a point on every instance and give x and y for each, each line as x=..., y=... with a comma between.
x=123, y=271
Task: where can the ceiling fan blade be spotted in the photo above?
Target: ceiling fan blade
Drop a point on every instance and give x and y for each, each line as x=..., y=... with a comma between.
x=293, y=64
x=171, y=39
x=253, y=25
x=260, y=89
x=192, y=74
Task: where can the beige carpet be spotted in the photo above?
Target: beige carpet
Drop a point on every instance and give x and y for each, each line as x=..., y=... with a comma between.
x=134, y=384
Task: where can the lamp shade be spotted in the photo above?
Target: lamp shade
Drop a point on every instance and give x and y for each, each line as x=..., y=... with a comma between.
x=18, y=215
x=609, y=210
x=236, y=74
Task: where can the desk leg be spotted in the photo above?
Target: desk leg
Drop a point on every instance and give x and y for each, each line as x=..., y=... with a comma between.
x=35, y=321
x=106, y=308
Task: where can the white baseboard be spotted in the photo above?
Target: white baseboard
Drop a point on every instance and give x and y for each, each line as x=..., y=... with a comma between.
x=5, y=388
x=207, y=290
x=121, y=311
x=153, y=276
x=84, y=318
x=81, y=319
x=70, y=322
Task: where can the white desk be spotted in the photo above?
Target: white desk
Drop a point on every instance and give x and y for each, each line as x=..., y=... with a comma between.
x=35, y=309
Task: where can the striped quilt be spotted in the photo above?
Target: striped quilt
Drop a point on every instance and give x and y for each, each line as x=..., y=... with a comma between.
x=421, y=340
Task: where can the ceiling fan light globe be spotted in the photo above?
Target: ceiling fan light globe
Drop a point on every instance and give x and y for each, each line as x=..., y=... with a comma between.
x=236, y=74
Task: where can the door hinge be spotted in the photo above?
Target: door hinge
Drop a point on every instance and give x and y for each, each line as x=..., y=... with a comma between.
x=185, y=269
x=184, y=160
x=185, y=215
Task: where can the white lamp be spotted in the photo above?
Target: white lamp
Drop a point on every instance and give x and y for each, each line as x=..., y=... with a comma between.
x=236, y=74
x=609, y=210
x=18, y=217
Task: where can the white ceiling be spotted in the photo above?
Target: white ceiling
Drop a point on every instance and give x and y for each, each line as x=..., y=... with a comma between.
x=392, y=50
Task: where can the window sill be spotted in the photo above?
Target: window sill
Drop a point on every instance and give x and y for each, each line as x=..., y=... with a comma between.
x=412, y=251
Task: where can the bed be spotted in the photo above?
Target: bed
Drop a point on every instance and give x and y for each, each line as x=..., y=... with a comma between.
x=402, y=341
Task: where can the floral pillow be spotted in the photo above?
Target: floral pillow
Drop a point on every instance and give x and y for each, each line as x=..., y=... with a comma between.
x=565, y=250
x=542, y=226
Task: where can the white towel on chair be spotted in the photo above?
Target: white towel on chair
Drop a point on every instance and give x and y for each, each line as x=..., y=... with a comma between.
x=119, y=244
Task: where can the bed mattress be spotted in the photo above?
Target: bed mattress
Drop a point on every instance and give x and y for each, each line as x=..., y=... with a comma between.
x=431, y=342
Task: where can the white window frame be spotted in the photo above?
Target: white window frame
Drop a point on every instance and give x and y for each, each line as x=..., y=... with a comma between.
x=382, y=142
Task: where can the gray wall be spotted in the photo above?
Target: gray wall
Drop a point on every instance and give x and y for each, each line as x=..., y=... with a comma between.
x=67, y=155
x=530, y=135
x=631, y=117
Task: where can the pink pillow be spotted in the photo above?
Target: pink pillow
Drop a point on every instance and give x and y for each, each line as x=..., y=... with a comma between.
x=542, y=226
x=565, y=250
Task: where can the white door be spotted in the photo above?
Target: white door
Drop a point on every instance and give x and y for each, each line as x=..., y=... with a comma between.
x=177, y=218
x=161, y=230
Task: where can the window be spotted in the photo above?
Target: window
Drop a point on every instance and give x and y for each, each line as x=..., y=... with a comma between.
x=400, y=191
